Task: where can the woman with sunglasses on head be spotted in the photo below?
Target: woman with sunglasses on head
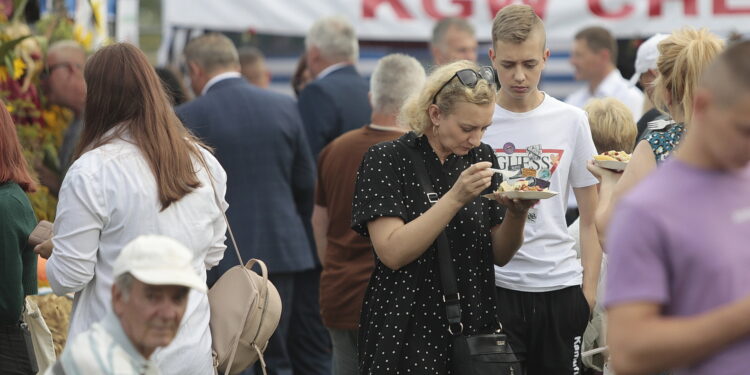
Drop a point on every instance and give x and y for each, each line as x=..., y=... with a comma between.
x=403, y=323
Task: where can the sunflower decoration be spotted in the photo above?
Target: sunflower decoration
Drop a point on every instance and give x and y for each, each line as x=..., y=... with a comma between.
x=20, y=65
x=18, y=68
x=40, y=127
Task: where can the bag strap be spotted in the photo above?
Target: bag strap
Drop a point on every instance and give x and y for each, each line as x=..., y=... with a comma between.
x=223, y=213
x=263, y=289
x=451, y=297
x=249, y=265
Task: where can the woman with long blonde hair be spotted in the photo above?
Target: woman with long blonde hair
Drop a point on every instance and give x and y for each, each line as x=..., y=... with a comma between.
x=682, y=58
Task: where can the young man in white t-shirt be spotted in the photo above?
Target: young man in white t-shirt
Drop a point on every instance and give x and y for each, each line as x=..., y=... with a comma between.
x=544, y=294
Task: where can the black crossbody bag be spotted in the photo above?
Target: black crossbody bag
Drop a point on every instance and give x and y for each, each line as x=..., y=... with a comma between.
x=480, y=354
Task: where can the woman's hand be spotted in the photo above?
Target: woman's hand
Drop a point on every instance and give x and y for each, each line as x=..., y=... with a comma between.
x=44, y=249
x=472, y=182
x=603, y=174
x=518, y=207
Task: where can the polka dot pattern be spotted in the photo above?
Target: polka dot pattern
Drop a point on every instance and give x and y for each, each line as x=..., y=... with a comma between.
x=403, y=329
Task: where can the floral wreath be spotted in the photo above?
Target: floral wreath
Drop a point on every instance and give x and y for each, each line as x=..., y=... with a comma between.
x=40, y=126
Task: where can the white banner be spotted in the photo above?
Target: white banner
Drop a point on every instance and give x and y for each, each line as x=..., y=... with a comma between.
x=412, y=20
x=127, y=21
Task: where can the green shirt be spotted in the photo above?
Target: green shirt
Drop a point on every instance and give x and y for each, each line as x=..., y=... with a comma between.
x=17, y=259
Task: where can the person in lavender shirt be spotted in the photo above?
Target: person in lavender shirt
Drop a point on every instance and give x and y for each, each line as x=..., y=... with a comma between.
x=678, y=290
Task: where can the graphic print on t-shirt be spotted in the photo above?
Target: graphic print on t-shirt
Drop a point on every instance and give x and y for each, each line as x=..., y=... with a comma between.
x=534, y=164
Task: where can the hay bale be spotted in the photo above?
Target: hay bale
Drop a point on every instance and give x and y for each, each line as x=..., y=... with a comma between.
x=56, y=313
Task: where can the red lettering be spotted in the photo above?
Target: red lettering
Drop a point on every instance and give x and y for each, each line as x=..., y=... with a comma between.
x=654, y=7
x=370, y=6
x=596, y=7
x=539, y=6
x=432, y=11
x=721, y=7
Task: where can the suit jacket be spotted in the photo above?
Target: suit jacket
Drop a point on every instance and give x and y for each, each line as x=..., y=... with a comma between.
x=333, y=105
x=258, y=138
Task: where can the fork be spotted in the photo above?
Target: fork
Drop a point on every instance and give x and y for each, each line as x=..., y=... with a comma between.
x=659, y=124
x=507, y=175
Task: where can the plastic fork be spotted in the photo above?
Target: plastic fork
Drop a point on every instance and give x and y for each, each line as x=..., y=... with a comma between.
x=507, y=175
x=659, y=124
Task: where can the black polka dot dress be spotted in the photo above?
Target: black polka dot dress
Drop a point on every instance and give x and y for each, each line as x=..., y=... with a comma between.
x=403, y=329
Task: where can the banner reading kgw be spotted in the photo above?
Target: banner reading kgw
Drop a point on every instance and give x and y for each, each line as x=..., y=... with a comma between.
x=412, y=20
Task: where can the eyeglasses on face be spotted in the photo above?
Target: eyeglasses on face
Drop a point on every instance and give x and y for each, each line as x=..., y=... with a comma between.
x=49, y=69
x=470, y=78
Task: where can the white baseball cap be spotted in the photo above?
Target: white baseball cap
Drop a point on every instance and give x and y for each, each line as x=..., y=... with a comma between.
x=645, y=58
x=158, y=260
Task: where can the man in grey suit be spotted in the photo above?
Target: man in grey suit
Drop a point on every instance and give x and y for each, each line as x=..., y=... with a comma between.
x=258, y=138
x=336, y=100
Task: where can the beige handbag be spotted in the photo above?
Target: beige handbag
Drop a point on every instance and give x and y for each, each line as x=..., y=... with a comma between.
x=245, y=311
x=41, y=336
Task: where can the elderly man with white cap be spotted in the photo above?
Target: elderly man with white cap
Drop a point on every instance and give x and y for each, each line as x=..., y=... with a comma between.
x=645, y=74
x=153, y=275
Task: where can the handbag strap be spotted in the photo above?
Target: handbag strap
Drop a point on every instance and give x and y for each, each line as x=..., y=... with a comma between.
x=223, y=213
x=263, y=289
x=264, y=270
x=451, y=296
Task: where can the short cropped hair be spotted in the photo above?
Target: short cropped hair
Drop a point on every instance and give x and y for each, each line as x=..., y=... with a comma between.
x=250, y=55
x=124, y=283
x=212, y=52
x=612, y=125
x=442, y=27
x=598, y=38
x=396, y=77
x=414, y=114
x=737, y=60
x=335, y=38
x=729, y=74
x=514, y=23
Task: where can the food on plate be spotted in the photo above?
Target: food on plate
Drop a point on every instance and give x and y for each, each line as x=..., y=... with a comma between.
x=529, y=188
x=621, y=156
x=528, y=172
x=521, y=185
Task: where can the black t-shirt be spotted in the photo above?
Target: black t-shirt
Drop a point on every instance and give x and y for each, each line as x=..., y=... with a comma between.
x=403, y=325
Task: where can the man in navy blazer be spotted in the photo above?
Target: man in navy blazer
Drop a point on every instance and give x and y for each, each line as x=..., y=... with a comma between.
x=258, y=138
x=336, y=100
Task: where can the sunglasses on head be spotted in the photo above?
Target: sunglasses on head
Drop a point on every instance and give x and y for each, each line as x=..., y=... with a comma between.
x=470, y=78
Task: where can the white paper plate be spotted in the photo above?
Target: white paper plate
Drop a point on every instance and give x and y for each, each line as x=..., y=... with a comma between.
x=524, y=194
x=611, y=164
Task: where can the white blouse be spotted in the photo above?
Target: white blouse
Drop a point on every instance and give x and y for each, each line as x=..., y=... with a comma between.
x=107, y=199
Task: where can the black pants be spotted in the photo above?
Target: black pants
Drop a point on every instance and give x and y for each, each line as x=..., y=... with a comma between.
x=14, y=357
x=545, y=329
